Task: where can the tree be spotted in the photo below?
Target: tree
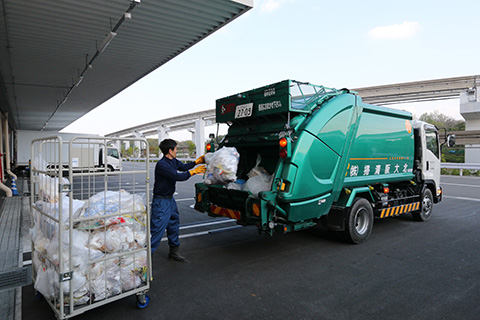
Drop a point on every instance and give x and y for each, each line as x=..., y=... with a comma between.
x=153, y=148
x=191, y=148
x=442, y=121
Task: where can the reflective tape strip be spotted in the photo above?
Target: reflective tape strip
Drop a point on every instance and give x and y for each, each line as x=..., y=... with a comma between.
x=216, y=209
x=396, y=211
x=256, y=210
x=234, y=214
x=382, y=215
x=392, y=211
x=229, y=213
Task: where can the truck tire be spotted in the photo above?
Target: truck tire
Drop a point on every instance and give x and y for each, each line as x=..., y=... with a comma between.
x=425, y=212
x=358, y=222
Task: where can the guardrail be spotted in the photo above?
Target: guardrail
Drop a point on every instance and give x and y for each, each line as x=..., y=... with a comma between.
x=460, y=166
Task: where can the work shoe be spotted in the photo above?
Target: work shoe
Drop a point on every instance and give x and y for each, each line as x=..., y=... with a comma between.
x=175, y=256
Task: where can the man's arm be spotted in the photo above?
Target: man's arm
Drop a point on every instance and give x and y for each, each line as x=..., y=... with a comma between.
x=172, y=173
x=184, y=166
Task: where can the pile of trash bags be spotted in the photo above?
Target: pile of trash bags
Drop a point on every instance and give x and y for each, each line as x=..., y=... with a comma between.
x=222, y=170
x=222, y=166
x=107, y=245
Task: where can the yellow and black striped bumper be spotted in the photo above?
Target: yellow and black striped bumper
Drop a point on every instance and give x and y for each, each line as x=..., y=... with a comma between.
x=229, y=213
x=395, y=211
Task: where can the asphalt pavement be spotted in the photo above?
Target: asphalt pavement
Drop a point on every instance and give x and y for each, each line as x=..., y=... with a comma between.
x=406, y=270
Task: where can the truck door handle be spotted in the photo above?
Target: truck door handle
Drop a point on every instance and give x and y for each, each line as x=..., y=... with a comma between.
x=428, y=165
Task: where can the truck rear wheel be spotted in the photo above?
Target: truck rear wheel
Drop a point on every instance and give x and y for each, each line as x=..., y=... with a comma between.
x=425, y=212
x=359, y=222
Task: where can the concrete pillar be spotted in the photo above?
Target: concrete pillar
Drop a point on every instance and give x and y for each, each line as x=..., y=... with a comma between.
x=199, y=137
x=470, y=110
x=162, y=133
x=137, y=149
x=192, y=131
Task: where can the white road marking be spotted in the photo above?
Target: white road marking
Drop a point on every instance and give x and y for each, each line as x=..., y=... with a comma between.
x=206, y=224
x=460, y=185
x=461, y=198
x=202, y=233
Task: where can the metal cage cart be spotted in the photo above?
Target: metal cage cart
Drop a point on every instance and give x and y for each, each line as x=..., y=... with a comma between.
x=90, y=223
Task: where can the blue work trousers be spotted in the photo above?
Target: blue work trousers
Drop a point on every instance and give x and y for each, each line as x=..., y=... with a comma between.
x=164, y=216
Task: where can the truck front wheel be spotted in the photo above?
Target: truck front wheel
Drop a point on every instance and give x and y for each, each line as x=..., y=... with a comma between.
x=425, y=212
x=358, y=222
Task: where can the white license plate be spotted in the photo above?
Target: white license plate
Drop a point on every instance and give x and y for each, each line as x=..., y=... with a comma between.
x=244, y=110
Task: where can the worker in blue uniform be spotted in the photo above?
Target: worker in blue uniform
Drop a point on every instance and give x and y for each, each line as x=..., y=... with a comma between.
x=164, y=212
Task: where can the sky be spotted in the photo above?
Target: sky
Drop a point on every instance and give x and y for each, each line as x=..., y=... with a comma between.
x=351, y=44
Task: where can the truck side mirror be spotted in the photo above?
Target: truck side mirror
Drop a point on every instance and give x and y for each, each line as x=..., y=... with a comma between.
x=450, y=140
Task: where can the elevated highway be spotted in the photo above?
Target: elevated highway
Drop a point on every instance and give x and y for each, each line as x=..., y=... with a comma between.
x=430, y=90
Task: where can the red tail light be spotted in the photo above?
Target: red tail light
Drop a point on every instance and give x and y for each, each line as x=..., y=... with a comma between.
x=284, y=148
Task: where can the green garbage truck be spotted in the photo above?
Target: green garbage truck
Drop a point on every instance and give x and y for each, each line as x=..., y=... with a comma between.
x=331, y=158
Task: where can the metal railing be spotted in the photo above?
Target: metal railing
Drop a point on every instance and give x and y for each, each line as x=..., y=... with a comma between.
x=460, y=166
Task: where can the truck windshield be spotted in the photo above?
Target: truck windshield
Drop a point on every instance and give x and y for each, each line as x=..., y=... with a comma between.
x=113, y=153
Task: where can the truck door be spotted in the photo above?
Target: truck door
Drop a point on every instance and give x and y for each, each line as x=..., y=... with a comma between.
x=431, y=160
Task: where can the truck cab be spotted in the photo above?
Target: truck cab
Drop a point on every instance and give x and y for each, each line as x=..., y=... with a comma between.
x=112, y=162
x=428, y=156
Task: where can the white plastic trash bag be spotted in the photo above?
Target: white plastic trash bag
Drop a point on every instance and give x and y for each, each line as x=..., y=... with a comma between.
x=112, y=202
x=49, y=188
x=104, y=279
x=53, y=209
x=44, y=282
x=222, y=166
x=258, y=183
x=258, y=180
x=115, y=239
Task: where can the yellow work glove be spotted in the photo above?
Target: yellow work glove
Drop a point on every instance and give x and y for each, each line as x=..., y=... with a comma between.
x=200, y=159
x=200, y=169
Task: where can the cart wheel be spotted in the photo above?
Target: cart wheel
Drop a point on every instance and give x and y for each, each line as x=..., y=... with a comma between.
x=142, y=301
